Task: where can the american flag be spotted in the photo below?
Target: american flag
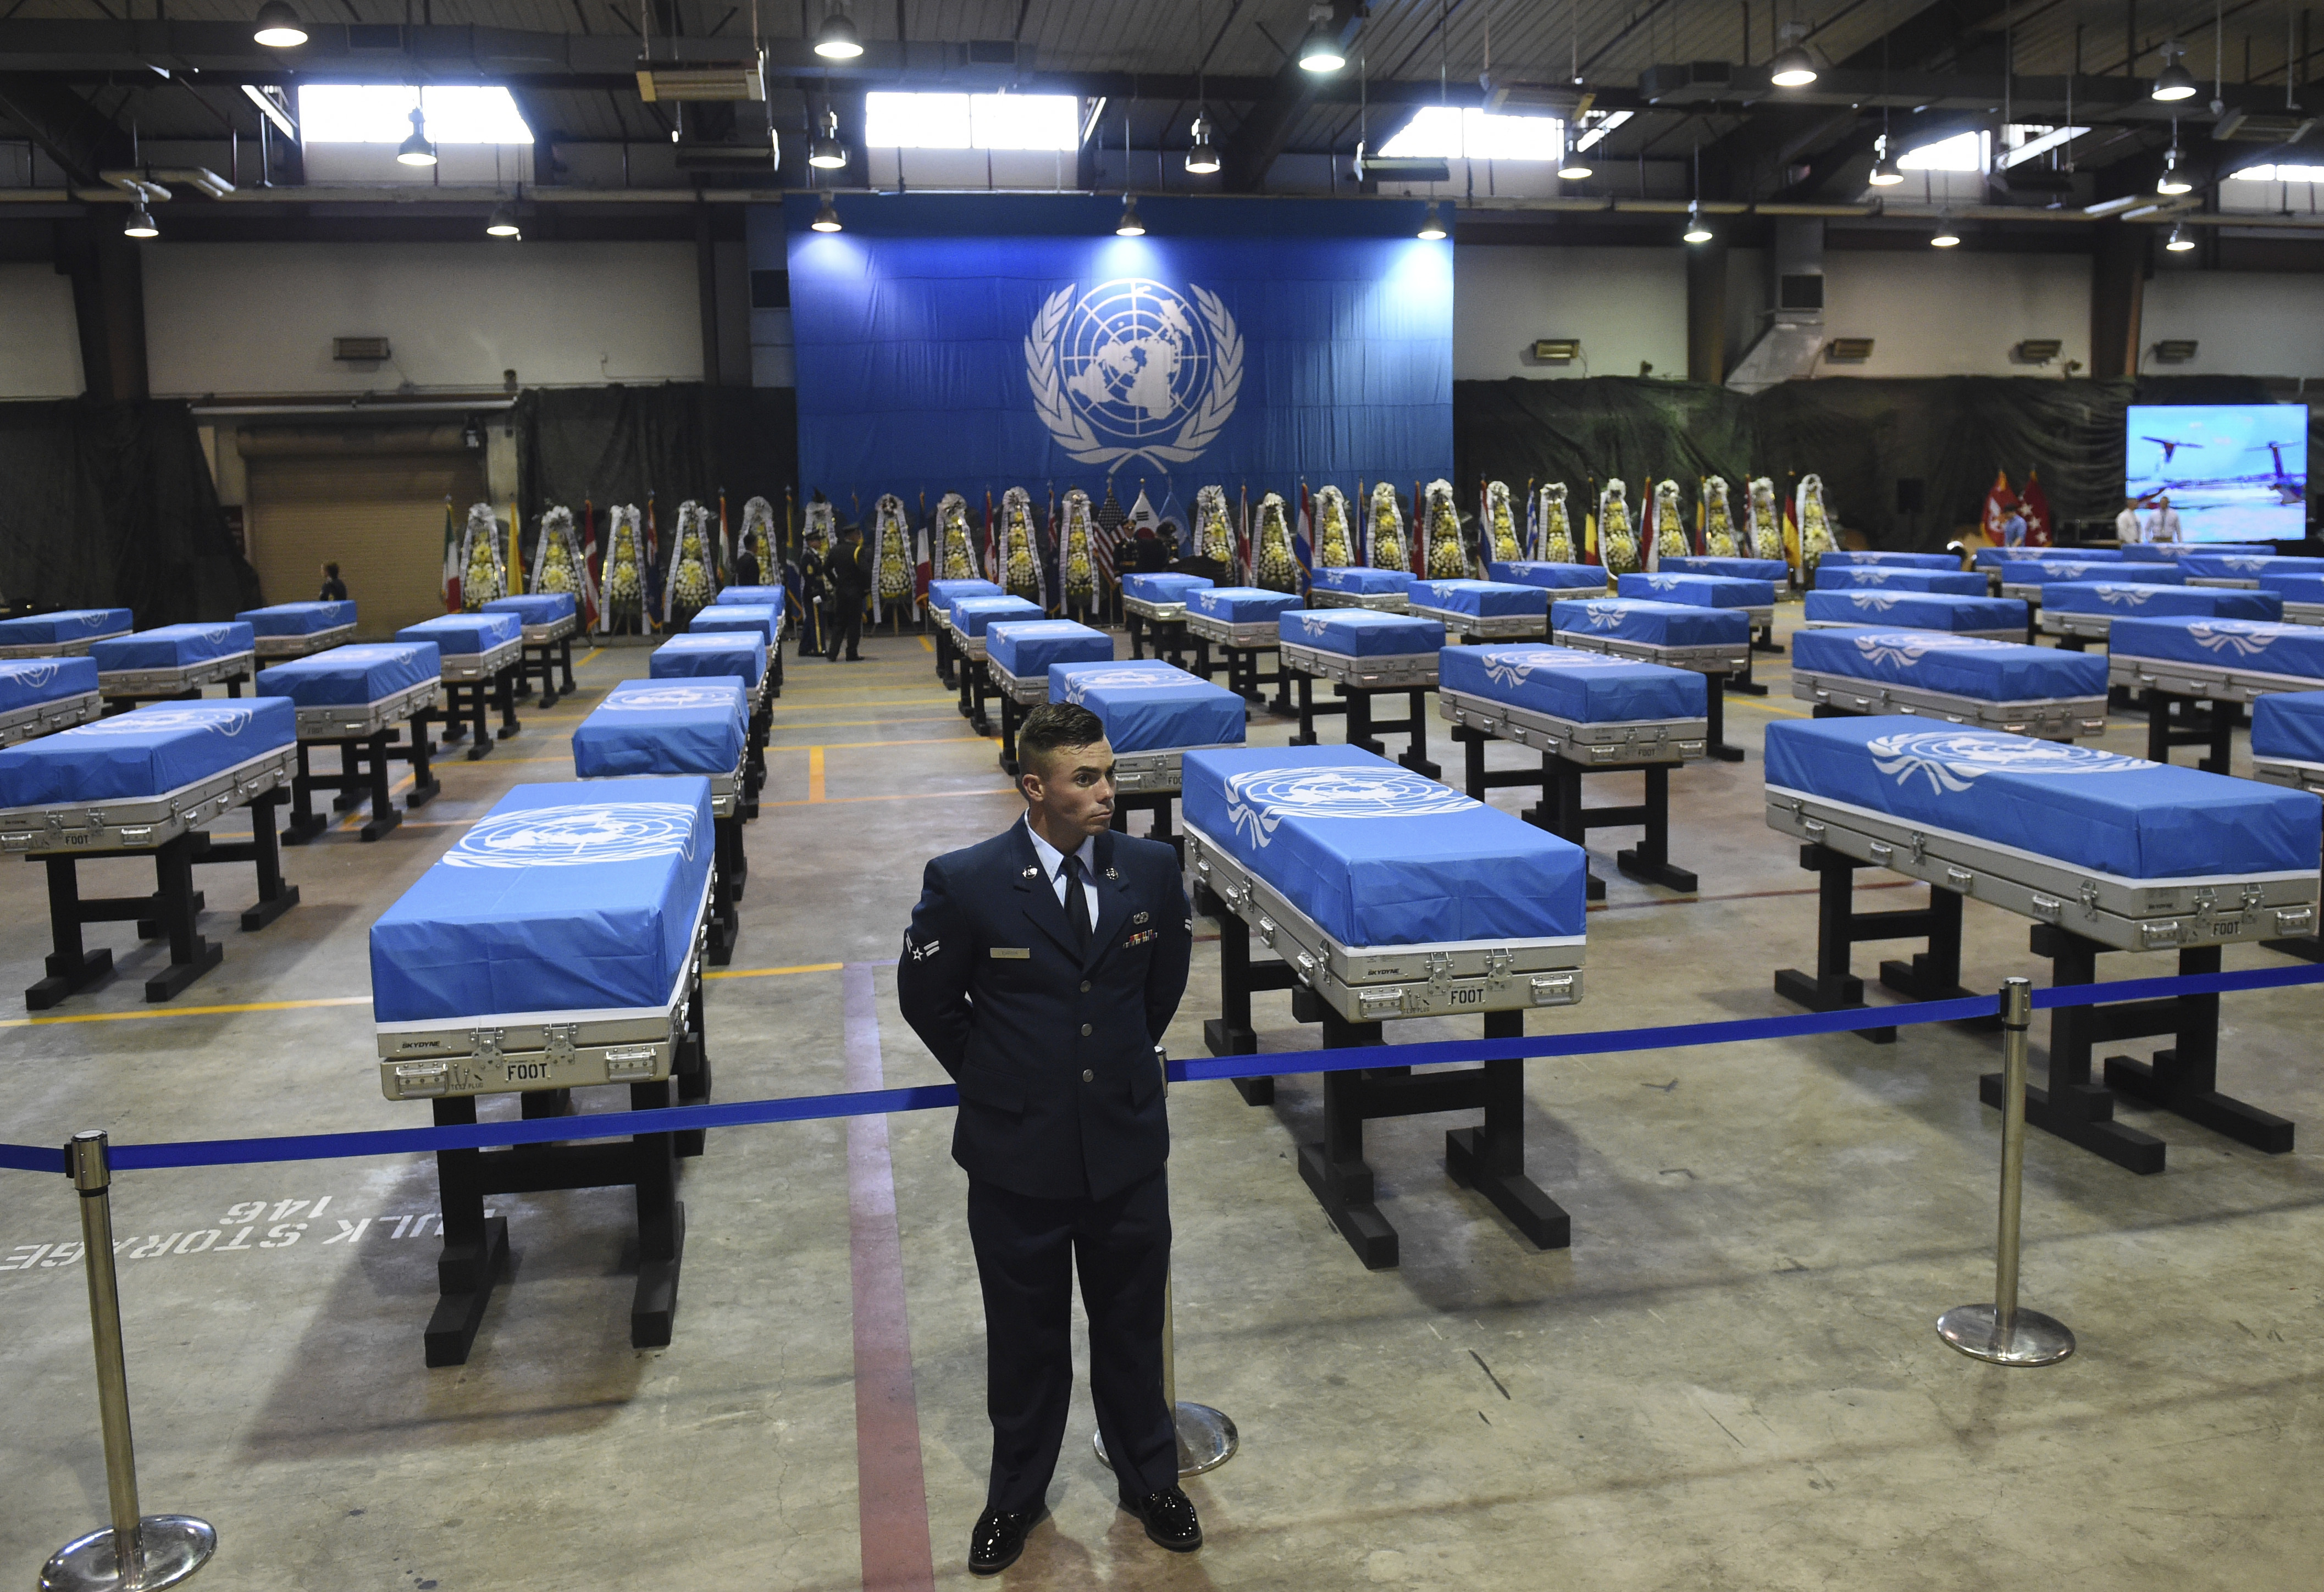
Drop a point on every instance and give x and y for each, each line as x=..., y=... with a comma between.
x=1110, y=521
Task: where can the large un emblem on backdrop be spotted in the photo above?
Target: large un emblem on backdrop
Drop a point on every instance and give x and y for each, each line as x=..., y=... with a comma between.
x=1133, y=370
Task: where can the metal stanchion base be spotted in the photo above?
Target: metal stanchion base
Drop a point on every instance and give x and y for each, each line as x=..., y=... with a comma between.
x=176, y=1546
x=2035, y=1340
x=1207, y=1439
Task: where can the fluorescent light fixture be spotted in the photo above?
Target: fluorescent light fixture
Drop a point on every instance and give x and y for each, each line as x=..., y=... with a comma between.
x=972, y=121
x=140, y=224
x=1597, y=131
x=825, y=219
x=1319, y=52
x=2278, y=174
x=826, y=152
x=1947, y=234
x=504, y=223
x=1450, y=133
x=2179, y=242
x=416, y=151
x=1431, y=229
x=377, y=112
x=1202, y=157
x=278, y=27
x=837, y=39
x=1696, y=232
x=2174, y=81
x=2172, y=180
x=1963, y=152
x=1129, y=225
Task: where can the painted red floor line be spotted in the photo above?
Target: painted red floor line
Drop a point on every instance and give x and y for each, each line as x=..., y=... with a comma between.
x=893, y=1497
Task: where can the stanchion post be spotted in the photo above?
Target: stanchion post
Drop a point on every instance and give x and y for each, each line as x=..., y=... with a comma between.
x=2000, y=1332
x=1207, y=1438
x=134, y=1553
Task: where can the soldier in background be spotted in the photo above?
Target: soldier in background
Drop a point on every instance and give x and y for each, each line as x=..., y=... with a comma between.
x=813, y=586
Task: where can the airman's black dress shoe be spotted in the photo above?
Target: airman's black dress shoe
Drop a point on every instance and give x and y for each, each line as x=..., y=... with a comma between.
x=1170, y=1517
x=999, y=1538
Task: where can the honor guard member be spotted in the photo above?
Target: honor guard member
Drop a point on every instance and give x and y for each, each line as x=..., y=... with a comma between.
x=851, y=586
x=812, y=583
x=1041, y=968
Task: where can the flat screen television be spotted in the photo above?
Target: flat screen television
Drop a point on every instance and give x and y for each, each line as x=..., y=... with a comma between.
x=2235, y=472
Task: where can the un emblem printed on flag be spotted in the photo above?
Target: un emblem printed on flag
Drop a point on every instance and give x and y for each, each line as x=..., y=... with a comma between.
x=1134, y=370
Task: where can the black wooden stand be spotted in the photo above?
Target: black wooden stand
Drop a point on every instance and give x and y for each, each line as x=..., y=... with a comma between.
x=2172, y=721
x=364, y=762
x=547, y=657
x=726, y=889
x=169, y=912
x=1934, y=974
x=946, y=655
x=1243, y=678
x=1714, y=713
x=1363, y=730
x=1011, y=715
x=1157, y=803
x=2182, y=1079
x=973, y=689
x=1169, y=638
x=476, y=1246
x=464, y=708
x=1490, y=1159
x=1562, y=813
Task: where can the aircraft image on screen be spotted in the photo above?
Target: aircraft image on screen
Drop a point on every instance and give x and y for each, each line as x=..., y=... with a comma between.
x=2234, y=471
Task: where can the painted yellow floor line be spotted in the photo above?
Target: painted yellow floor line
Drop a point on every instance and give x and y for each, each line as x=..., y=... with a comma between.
x=815, y=761
x=1758, y=707
x=186, y=1011
x=774, y=972
x=904, y=795
x=929, y=645
x=815, y=773
x=591, y=657
x=801, y=707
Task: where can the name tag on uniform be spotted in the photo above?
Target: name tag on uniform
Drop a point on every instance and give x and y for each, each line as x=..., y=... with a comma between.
x=1011, y=953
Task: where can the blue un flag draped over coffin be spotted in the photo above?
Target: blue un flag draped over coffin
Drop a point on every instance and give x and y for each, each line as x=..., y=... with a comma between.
x=945, y=344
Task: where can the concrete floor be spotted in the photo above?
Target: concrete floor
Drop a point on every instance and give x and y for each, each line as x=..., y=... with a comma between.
x=1730, y=1381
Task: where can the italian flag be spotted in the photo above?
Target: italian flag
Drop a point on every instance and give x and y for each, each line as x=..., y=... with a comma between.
x=451, y=560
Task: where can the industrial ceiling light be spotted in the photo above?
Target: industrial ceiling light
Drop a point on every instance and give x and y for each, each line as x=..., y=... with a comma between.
x=1574, y=166
x=825, y=219
x=1947, y=234
x=416, y=151
x=2174, y=81
x=1697, y=231
x=2179, y=242
x=1885, y=173
x=1793, y=67
x=837, y=40
x=1431, y=229
x=1202, y=157
x=2172, y=180
x=504, y=223
x=826, y=152
x=278, y=27
x=1318, y=52
x=1129, y=225
x=141, y=222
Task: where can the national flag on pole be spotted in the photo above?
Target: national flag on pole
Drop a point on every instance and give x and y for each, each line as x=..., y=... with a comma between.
x=451, y=559
x=923, y=569
x=1303, y=538
x=726, y=544
x=2036, y=508
x=1143, y=520
x=1360, y=533
x=653, y=553
x=1243, y=565
x=1533, y=521
x=993, y=571
x=1416, y=539
x=515, y=562
x=589, y=566
x=1109, y=517
x=1651, y=554
x=1998, y=502
x=1791, y=537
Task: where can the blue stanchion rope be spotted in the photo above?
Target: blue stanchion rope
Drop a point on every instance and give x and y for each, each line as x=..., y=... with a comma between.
x=480, y=1135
